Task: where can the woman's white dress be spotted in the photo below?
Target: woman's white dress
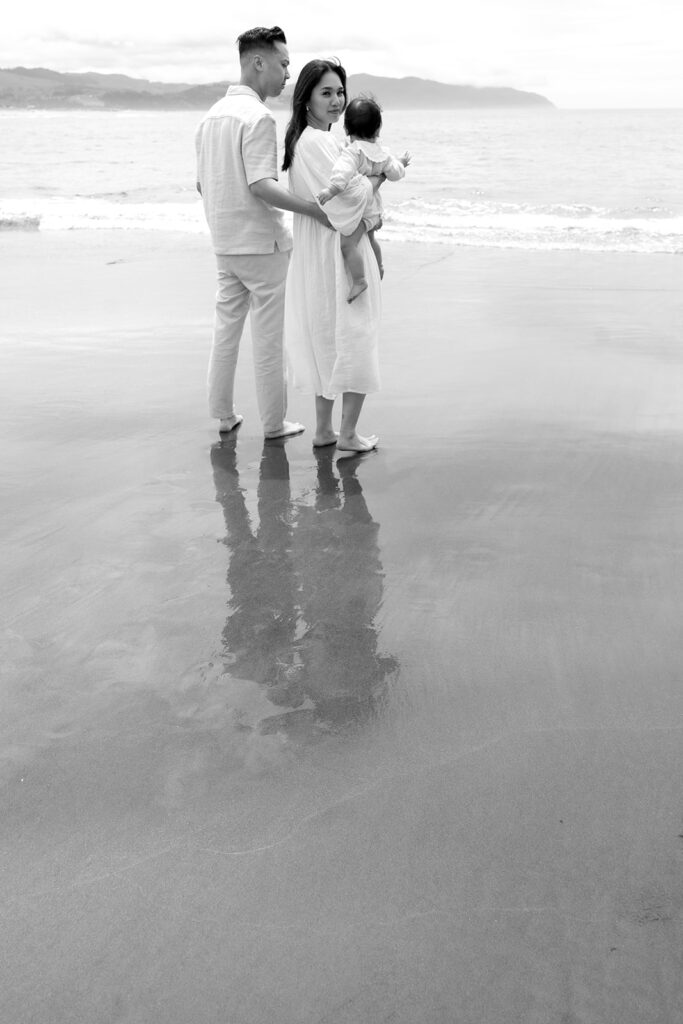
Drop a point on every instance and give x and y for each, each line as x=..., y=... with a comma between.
x=331, y=343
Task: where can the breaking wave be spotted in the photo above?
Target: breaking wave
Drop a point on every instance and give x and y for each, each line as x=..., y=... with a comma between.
x=452, y=222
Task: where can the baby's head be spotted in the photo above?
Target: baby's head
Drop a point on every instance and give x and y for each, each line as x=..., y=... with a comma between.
x=363, y=118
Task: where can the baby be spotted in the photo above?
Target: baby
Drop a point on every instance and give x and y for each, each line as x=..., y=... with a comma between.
x=362, y=155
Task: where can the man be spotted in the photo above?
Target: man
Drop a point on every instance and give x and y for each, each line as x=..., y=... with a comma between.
x=237, y=179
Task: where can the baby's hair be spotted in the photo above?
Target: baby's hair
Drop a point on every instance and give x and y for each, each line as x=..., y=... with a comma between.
x=363, y=117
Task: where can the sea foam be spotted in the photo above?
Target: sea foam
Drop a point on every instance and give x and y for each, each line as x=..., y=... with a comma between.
x=442, y=221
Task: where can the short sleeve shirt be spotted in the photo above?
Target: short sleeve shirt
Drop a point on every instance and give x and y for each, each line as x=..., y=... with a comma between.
x=236, y=145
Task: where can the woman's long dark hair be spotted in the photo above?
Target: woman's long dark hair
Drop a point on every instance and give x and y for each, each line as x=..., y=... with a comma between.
x=309, y=77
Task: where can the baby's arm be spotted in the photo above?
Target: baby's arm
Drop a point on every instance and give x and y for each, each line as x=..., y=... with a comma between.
x=345, y=167
x=395, y=168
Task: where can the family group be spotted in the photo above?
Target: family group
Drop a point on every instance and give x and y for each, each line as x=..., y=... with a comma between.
x=314, y=291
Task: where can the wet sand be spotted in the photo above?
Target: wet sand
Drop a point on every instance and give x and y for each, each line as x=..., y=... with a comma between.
x=288, y=737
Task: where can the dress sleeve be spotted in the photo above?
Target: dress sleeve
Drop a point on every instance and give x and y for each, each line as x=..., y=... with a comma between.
x=314, y=157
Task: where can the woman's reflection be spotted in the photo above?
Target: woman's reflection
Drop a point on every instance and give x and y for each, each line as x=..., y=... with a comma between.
x=336, y=554
x=305, y=587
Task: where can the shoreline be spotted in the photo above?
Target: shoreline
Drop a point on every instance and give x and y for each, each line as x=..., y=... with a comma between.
x=19, y=222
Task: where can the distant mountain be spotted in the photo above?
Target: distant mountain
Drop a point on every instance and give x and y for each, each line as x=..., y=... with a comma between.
x=423, y=94
x=42, y=88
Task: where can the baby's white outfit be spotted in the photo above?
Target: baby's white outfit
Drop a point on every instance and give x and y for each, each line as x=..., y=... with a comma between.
x=366, y=158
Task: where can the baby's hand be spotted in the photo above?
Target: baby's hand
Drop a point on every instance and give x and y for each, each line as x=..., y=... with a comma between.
x=324, y=196
x=406, y=158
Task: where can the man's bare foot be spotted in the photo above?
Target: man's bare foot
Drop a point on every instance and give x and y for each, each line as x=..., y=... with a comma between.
x=286, y=430
x=225, y=426
x=357, y=288
x=356, y=443
x=323, y=439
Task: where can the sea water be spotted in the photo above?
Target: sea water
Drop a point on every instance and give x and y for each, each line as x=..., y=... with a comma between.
x=598, y=180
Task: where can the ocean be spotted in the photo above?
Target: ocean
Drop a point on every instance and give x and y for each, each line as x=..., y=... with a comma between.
x=543, y=179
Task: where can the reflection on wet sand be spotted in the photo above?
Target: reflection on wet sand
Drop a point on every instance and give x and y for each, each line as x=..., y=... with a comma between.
x=341, y=586
x=258, y=633
x=305, y=585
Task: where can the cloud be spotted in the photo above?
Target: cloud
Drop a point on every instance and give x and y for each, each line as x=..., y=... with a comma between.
x=165, y=56
x=602, y=52
x=322, y=42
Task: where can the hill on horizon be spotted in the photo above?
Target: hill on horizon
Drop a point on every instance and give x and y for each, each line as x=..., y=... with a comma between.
x=41, y=88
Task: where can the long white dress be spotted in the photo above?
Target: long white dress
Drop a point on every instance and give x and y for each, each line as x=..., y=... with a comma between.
x=331, y=343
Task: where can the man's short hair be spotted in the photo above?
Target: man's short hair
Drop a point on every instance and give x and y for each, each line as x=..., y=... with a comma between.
x=257, y=38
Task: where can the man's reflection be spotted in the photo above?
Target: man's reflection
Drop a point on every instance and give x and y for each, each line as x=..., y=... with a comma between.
x=305, y=587
x=259, y=632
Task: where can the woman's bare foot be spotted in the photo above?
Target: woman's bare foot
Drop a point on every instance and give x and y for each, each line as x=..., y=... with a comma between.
x=356, y=443
x=357, y=288
x=323, y=439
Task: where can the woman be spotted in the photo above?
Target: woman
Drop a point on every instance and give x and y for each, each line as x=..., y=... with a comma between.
x=331, y=343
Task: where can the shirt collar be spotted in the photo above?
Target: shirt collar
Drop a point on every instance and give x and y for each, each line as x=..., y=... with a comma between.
x=243, y=90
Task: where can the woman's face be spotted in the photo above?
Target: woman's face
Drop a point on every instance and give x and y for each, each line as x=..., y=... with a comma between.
x=326, y=102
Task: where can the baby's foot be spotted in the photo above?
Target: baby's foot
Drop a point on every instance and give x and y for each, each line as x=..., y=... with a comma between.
x=357, y=288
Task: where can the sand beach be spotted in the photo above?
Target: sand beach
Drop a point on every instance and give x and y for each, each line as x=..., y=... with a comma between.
x=288, y=737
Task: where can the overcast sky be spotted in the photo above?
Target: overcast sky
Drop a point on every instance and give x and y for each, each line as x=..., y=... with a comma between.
x=578, y=53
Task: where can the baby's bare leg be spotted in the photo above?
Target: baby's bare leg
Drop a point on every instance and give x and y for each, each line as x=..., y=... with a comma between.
x=377, y=249
x=354, y=262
